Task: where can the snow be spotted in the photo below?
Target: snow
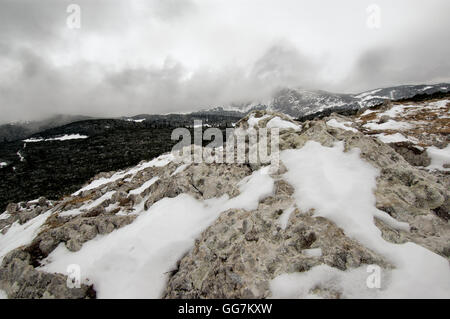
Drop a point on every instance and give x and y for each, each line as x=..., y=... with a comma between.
x=351, y=284
x=367, y=112
x=160, y=161
x=22, y=159
x=18, y=235
x=180, y=169
x=201, y=125
x=438, y=104
x=3, y=164
x=60, y=138
x=342, y=125
x=394, y=111
x=134, y=261
x=5, y=215
x=277, y=122
x=439, y=157
x=144, y=186
x=393, y=138
x=313, y=252
x=253, y=121
x=137, y=120
x=86, y=207
x=283, y=220
x=348, y=182
x=389, y=125
x=365, y=94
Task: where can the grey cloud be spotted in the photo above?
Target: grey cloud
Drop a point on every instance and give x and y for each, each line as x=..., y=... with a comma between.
x=284, y=65
x=41, y=89
x=32, y=86
x=171, y=9
x=414, y=63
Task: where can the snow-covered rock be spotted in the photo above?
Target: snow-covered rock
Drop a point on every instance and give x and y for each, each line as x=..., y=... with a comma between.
x=340, y=201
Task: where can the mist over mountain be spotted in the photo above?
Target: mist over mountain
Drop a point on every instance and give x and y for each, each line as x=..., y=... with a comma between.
x=300, y=102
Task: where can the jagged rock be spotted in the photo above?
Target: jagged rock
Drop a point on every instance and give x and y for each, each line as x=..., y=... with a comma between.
x=19, y=279
x=242, y=251
x=11, y=208
x=412, y=154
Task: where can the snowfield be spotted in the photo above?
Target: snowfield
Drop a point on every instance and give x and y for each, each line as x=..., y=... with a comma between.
x=439, y=157
x=134, y=261
x=66, y=137
x=19, y=235
x=160, y=161
x=318, y=172
x=343, y=125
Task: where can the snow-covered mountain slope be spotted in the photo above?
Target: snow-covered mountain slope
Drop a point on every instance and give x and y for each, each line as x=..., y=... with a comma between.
x=299, y=102
x=341, y=205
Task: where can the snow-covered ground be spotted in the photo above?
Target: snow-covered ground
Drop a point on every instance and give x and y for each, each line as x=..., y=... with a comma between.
x=347, y=182
x=134, y=261
x=389, y=125
x=277, y=122
x=157, y=162
x=439, y=157
x=392, y=138
x=343, y=125
x=253, y=121
x=20, y=156
x=135, y=120
x=88, y=205
x=66, y=137
x=18, y=235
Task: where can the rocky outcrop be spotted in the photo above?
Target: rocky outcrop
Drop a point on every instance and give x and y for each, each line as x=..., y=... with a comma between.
x=242, y=250
x=238, y=255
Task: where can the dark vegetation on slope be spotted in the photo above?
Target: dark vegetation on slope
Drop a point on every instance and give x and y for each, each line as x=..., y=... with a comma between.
x=56, y=168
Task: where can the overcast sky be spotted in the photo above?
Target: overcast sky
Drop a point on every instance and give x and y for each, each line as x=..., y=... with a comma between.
x=160, y=56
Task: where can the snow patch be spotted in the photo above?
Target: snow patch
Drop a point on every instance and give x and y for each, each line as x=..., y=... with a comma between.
x=389, y=125
x=5, y=215
x=313, y=252
x=60, y=138
x=180, y=169
x=253, y=121
x=136, y=121
x=160, y=161
x=144, y=186
x=277, y=122
x=393, y=138
x=350, y=284
x=348, y=182
x=283, y=220
x=22, y=159
x=439, y=157
x=19, y=235
x=134, y=261
x=87, y=207
x=342, y=125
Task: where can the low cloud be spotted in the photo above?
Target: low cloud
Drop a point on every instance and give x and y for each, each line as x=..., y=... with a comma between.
x=163, y=56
